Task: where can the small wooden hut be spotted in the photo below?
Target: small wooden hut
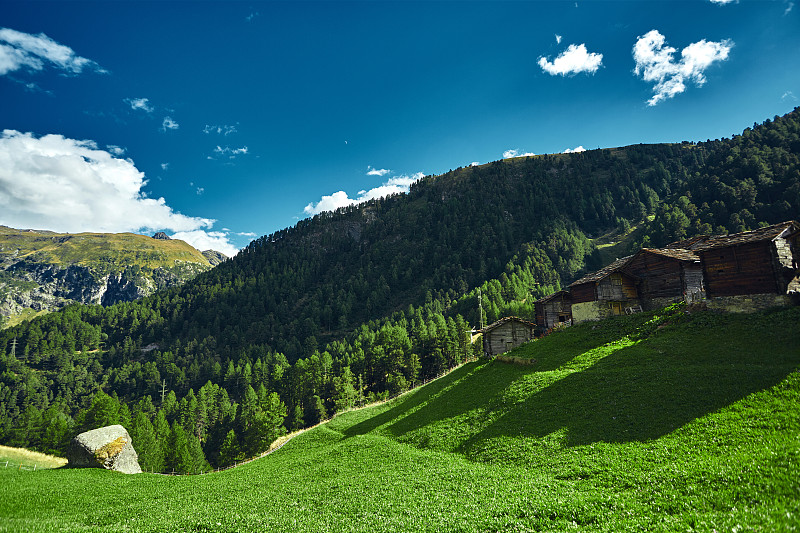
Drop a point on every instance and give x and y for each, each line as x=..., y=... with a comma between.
x=666, y=275
x=762, y=261
x=553, y=310
x=506, y=334
x=604, y=293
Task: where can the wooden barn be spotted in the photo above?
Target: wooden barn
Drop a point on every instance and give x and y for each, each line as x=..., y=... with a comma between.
x=762, y=261
x=604, y=293
x=553, y=310
x=666, y=275
x=506, y=334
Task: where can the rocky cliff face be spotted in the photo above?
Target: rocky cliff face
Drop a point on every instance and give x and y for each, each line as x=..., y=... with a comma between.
x=45, y=271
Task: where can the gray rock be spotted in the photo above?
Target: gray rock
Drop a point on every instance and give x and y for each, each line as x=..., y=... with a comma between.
x=108, y=447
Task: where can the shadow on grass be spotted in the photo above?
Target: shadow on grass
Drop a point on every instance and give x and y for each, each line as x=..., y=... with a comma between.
x=634, y=394
x=465, y=373
x=637, y=393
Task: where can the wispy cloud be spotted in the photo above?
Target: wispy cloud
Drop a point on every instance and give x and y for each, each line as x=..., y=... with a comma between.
x=139, y=104
x=789, y=6
x=395, y=185
x=20, y=50
x=220, y=130
x=251, y=16
x=164, y=166
x=723, y=2
x=229, y=152
x=508, y=154
x=558, y=39
x=574, y=150
x=117, y=151
x=575, y=59
x=377, y=171
x=169, y=124
x=789, y=95
x=656, y=63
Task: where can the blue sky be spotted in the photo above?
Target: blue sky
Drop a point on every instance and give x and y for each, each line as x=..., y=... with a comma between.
x=220, y=122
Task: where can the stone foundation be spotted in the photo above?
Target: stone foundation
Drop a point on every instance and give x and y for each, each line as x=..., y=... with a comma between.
x=749, y=303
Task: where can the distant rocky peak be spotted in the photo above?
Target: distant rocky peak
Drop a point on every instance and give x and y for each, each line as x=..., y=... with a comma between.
x=162, y=236
x=214, y=257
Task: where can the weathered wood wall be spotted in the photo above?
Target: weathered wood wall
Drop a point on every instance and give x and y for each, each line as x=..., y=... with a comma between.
x=506, y=337
x=744, y=269
x=585, y=292
x=616, y=287
x=554, y=312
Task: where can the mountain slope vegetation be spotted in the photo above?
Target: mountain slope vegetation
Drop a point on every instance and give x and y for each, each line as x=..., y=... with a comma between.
x=662, y=421
x=370, y=300
x=45, y=270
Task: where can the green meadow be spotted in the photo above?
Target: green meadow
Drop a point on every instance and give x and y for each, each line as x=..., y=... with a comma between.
x=655, y=422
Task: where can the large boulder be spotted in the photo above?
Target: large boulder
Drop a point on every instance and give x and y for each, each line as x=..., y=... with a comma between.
x=109, y=447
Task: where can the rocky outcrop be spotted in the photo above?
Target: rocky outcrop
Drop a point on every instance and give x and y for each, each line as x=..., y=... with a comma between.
x=47, y=287
x=214, y=257
x=161, y=236
x=108, y=447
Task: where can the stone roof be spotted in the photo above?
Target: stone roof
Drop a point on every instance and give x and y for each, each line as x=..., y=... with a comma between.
x=674, y=253
x=502, y=321
x=768, y=233
x=603, y=272
x=553, y=296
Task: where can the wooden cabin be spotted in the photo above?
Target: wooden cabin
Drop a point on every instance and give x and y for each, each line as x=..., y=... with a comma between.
x=506, y=334
x=762, y=261
x=553, y=310
x=604, y=293
x=667, y=275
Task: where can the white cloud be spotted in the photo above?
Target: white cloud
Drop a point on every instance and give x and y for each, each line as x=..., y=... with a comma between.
x=573, y=60
x=116, y=150
x=723, y=2
x=61, y=184
x=558, y=39
x=377, y=172
x=200, y=190
x=516, y=153
x=789, y=95
x=20, y=50
x=655, y=62
x=246, y=234
x=474, y=164
x=207, y=240
x=169, y=124
x=789, y=6
x=164, y=166
x=230, y=152
x=139, y=104
x=220, y=130
x=397, y=184
x=574, y=150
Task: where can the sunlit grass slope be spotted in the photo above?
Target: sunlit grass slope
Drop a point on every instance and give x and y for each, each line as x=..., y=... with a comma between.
x=13, y=457
x=104, y=251
x=662, y=422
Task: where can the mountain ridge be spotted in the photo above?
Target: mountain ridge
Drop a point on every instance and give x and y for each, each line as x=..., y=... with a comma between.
x=45, y=270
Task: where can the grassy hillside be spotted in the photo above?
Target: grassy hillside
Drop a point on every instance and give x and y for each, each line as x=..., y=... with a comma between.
x=104, y=251
x=657, y=422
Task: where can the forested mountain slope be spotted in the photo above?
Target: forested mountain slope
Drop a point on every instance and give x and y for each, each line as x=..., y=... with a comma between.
x=372, y=298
